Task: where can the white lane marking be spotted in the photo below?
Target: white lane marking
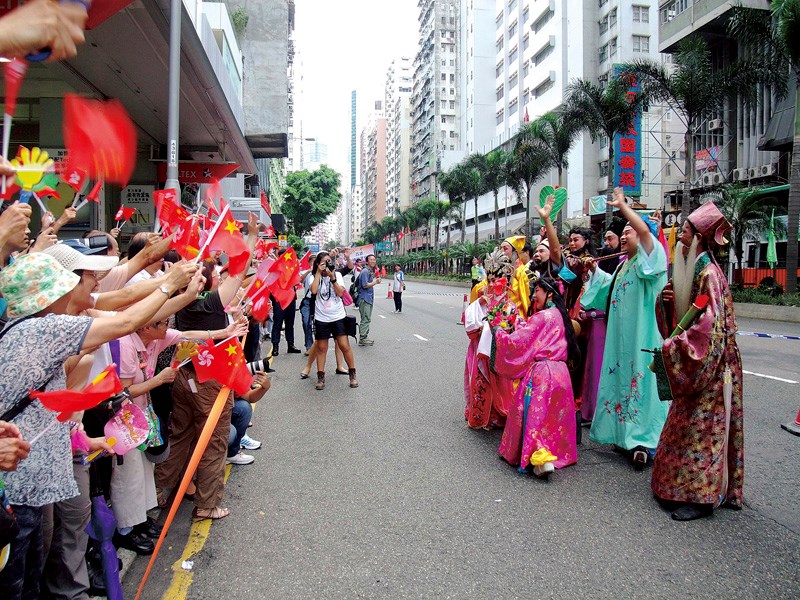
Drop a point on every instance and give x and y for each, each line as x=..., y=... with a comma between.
x=438, y=303
x=381, y=316
x=770, y=377
x=419, y=337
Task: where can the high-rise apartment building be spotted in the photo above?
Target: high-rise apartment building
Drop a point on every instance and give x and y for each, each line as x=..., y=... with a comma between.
x=397, y=98
x=373, y=159
x=357, y=218
x=315, y=153
x=353, y=141
x=435, y=102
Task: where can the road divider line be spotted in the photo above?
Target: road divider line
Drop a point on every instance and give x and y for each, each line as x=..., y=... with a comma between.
x=381, y=316
x=419, y=337
x=770, y=377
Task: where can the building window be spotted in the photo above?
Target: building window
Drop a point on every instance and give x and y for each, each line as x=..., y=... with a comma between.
x=526, y=68
x=499, y=44
x=498, y=21
x=612, y=47
x=512, y=4
x=542, y=20
x=526, y=13
x=641, y=43
x=543, y=53
x=500, y=92
x=444, y=76
x=603, y=141
x=602, y=54
x=498, y=69
x=601, y=2
x=612, y=18
x=453, y=103
x=602, y=168
x=641, y=14
x=512, y=56
x=526, y=95
x=512, y=106
x=512, y=81
x=543, y=87
x=444, y=119
x=603, y=23
x=526, y=41
x=499, y=119
x=512, y=29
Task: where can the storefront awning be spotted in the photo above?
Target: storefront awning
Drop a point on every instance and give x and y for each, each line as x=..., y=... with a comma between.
x=779, y=134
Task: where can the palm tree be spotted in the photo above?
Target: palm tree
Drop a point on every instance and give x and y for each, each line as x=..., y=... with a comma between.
x=604, y=111
x=695, y=89
x=494, y=176
x=557, y=131
x=529, y=165
x=425, y=210
x=456, y=184
x=749, y=214
x=475, y=166
x=773, y=35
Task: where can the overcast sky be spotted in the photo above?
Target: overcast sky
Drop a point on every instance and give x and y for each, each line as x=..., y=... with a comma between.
x=347, y=45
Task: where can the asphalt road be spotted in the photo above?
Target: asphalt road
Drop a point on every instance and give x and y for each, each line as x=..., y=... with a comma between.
x=381, y=492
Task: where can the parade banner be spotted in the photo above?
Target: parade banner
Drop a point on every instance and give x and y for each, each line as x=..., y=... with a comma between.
x=362, y=252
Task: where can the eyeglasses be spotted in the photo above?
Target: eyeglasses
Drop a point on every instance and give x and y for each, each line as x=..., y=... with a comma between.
x=160, y=323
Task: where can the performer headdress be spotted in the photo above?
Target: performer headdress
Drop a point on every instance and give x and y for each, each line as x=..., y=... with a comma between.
x=710, y=223
x=517, y=242
x=498, y=264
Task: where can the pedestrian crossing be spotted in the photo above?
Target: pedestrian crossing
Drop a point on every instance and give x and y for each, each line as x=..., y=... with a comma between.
x=768, y=335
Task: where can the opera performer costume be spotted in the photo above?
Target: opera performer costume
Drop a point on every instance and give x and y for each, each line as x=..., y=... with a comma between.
x=700, y=456
x=629, y=413
x=487, y=394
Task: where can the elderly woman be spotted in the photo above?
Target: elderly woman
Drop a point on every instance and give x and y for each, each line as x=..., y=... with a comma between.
x=540, y=429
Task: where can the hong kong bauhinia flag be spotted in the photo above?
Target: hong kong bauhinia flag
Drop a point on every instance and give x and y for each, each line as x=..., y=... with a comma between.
x=224, y=363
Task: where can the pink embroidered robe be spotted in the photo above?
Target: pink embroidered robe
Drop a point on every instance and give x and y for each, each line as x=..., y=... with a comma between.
x=542, y=414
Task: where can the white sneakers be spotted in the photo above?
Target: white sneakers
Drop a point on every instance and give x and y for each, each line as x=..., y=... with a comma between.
x=249, y=443
x=240, y=459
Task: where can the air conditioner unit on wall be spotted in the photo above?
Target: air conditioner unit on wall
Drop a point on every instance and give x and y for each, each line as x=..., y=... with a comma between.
x=752, y=173
x=765, y=170
x=708, y=179
x=718, y=178
x=740, y=174
x=715, y=124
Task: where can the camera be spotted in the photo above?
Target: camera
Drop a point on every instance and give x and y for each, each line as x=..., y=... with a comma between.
x=96, y=242
x=257, y=365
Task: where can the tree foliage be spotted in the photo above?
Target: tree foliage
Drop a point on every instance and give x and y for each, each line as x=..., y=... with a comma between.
x=309, y=197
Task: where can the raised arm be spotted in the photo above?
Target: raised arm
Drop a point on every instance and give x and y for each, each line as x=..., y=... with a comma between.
x=552, y=235
x=105, y=329
x=639, y=226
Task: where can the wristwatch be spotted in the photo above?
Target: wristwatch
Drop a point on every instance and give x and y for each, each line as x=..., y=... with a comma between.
x=163, y=288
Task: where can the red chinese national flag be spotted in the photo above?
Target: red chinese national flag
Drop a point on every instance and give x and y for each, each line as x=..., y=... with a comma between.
x=228, y=239
x=224, y=363
x=100, y=138
x=305, y=265
x=66, y=402
x=263, y=279
x=263, y=248
x=265, y=204
x=177, y=220
x=288, y=269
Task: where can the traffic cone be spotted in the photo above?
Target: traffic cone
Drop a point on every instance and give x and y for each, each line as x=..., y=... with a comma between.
x=793, y=428
x=464, y=309
x=390, y=295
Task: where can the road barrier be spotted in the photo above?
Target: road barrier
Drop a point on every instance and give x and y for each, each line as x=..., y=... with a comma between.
x=793, y=428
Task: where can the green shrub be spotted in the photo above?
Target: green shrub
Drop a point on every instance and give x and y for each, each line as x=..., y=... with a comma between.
x=765, y=295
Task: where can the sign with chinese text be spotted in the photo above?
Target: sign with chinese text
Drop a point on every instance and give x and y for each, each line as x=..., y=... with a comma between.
x=628, y=149
x=707, y=159
x=362, y=252
x=283, y=241
x=140, y=197
x=384, y=246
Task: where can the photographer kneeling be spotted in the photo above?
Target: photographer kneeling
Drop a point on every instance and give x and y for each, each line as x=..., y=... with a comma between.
x=330, y=317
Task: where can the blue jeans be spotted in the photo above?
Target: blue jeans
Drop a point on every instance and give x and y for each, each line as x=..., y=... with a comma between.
x=308, y=322
x=240, y=419
x=21, y=578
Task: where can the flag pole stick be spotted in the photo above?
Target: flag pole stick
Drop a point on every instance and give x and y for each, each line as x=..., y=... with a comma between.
x=194, y=461
x=7, y=118
x=211, y=235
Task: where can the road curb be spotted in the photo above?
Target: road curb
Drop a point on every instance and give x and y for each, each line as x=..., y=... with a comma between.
x=444, y=282
x=768, y=312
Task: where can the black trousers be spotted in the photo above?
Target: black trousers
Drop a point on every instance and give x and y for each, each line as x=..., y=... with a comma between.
x=398, y=300
x=281, y=316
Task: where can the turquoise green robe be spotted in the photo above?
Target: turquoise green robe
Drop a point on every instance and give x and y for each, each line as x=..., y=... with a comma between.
x=629, y=413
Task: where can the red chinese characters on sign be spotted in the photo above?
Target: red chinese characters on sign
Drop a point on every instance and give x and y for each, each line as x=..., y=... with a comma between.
x=627, y=144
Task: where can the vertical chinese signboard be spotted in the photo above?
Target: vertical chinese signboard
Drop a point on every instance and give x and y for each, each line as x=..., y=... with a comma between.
x=628, y=148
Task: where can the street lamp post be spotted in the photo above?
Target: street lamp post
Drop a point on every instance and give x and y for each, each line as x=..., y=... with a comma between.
x=174, y=95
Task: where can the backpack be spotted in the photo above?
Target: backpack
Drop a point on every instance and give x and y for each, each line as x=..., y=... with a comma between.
x=354, y=288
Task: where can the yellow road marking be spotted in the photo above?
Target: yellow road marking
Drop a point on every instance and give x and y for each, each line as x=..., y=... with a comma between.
x=198, y=534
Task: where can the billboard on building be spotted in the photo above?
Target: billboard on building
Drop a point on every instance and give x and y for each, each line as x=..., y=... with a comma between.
x=628, y=148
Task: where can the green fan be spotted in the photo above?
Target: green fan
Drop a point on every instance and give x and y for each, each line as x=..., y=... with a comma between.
x=560, y=198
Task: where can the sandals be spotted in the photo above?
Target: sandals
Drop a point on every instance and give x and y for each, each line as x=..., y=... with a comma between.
x=210, y=513
x=303, y=375
x=162, y=498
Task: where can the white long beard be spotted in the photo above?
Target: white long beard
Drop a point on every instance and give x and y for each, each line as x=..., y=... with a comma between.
x=683, y=277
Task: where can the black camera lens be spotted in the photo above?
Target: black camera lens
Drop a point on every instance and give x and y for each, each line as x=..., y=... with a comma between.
x=256, y=365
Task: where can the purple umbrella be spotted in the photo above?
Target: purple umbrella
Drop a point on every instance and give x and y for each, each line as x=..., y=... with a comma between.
x=101, y=527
